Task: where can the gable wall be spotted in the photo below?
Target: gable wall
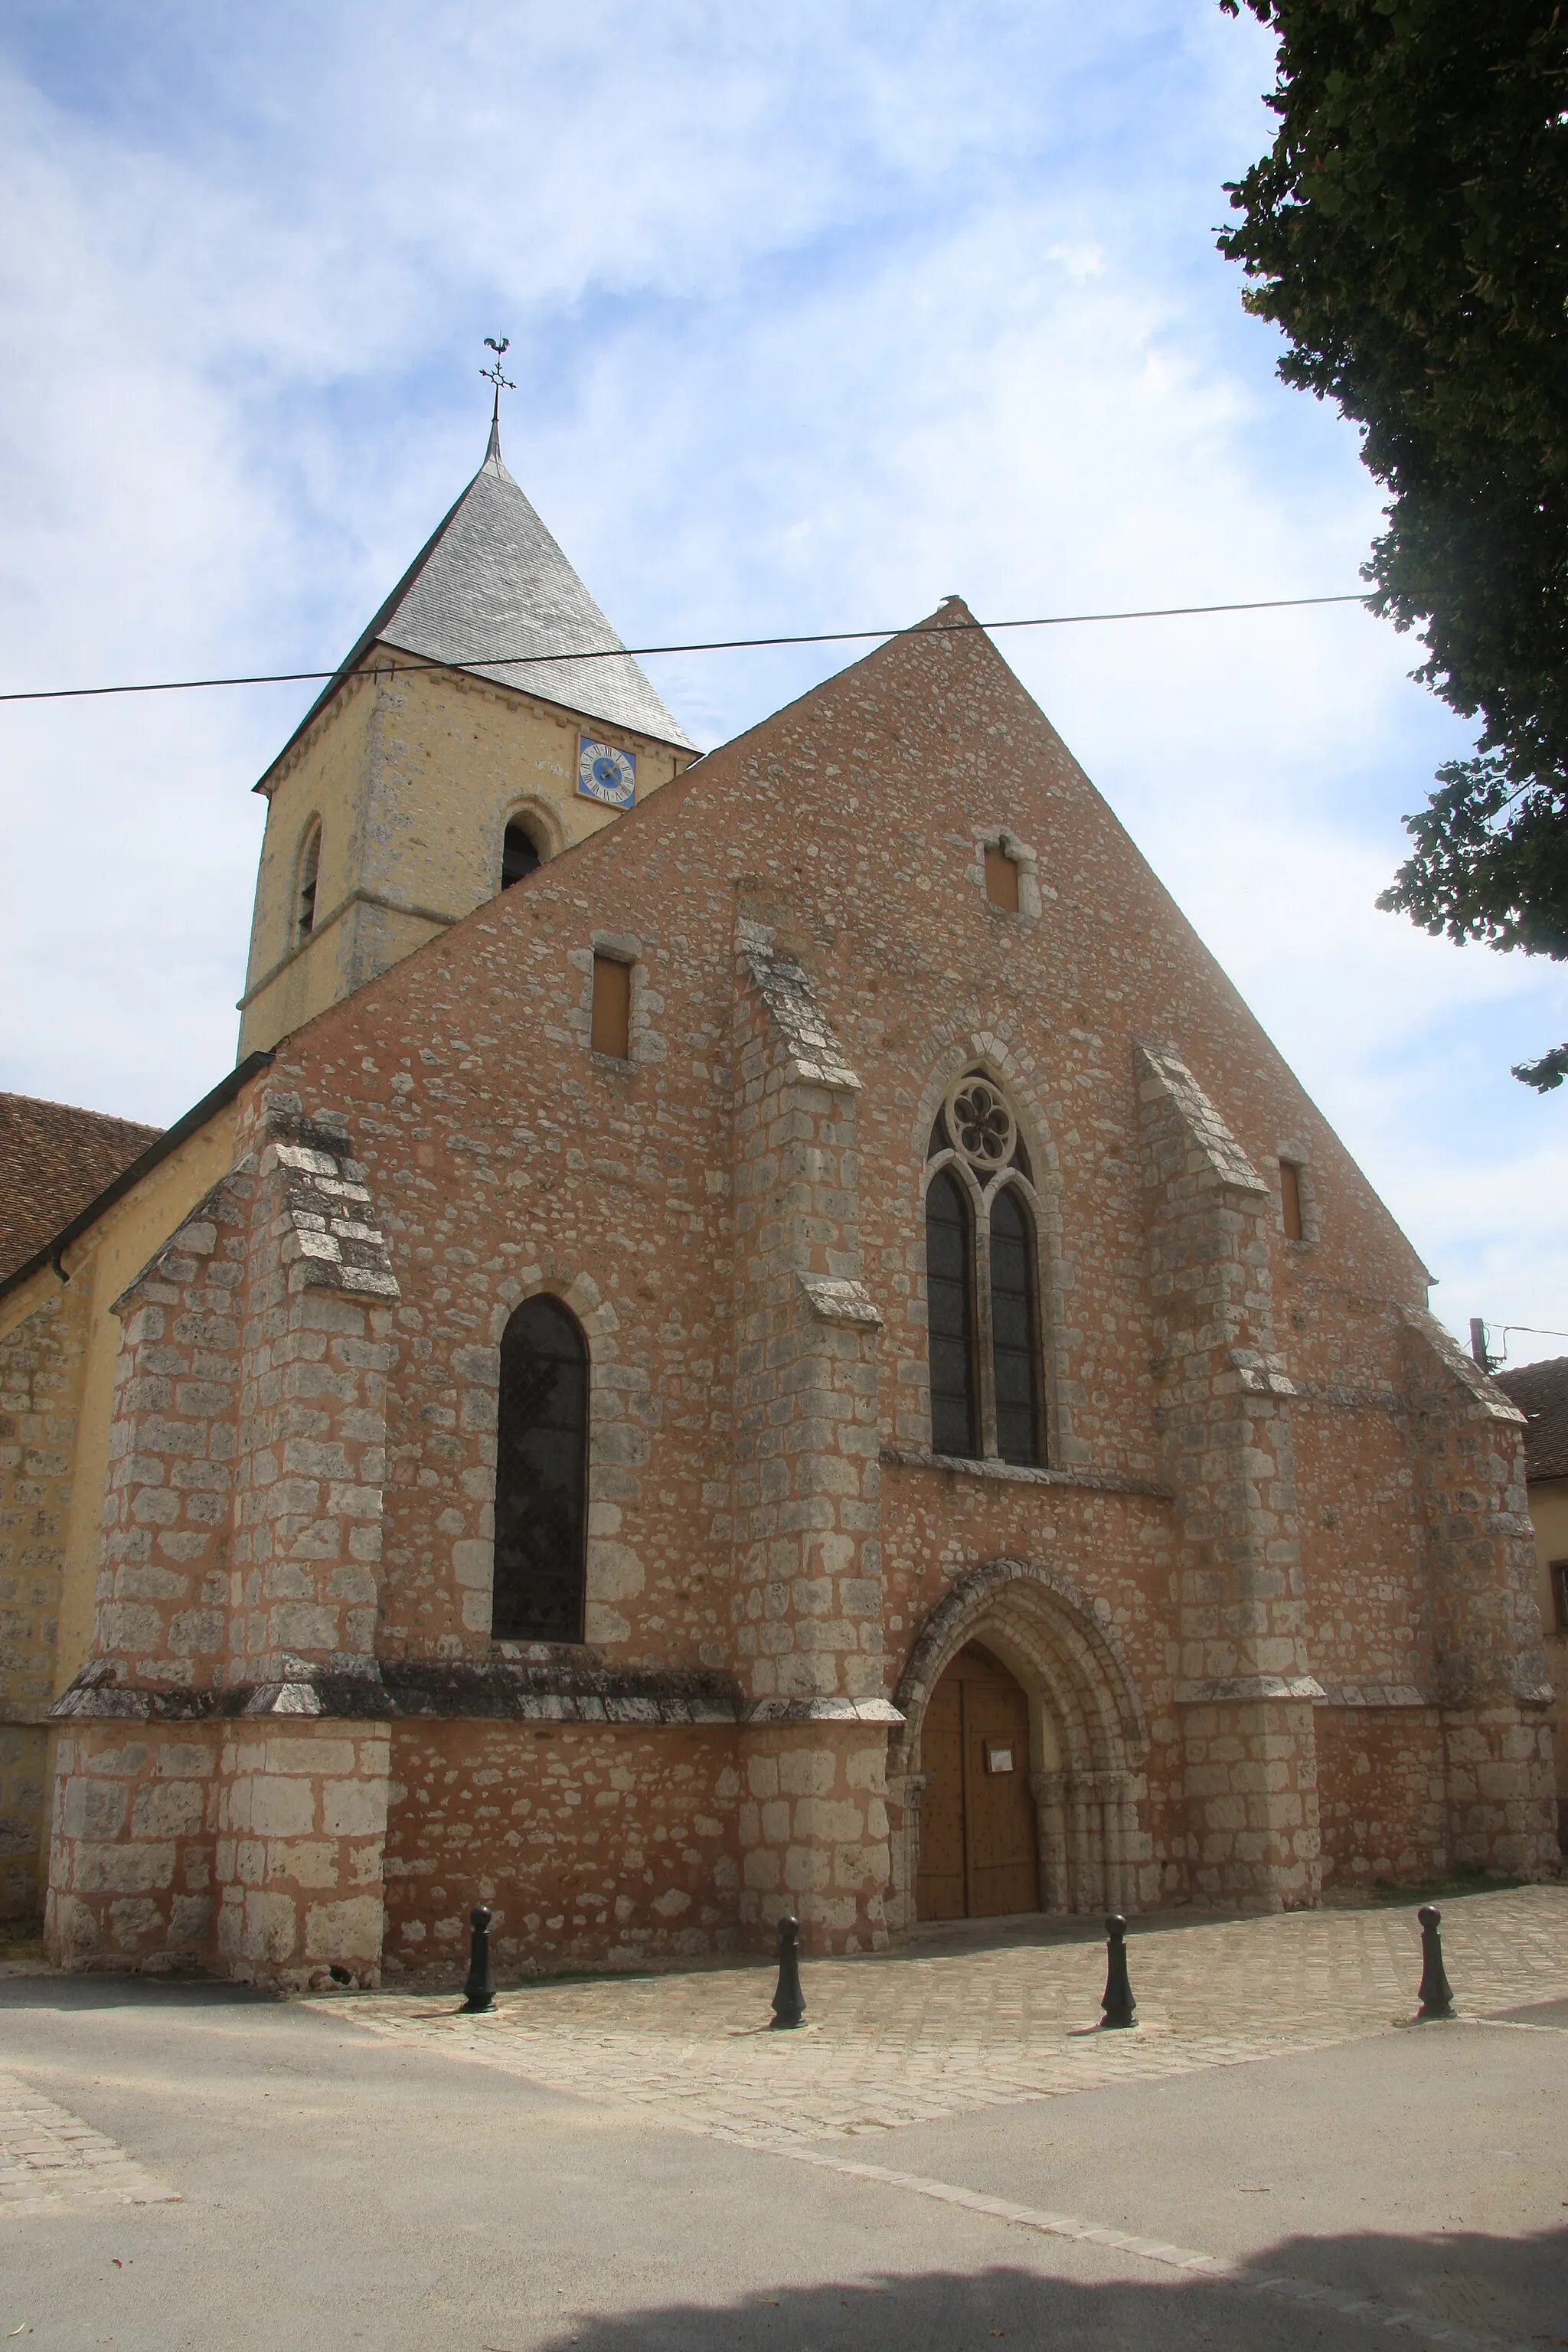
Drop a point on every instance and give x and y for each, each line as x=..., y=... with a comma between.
x=508, y=1158
x=762, y=1505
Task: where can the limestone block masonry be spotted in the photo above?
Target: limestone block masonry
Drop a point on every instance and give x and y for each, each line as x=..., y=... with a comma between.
x=41, y=1367
x=1491, y=1654
x=202, y=1815
x=1244, y=1687
x=1261, y=1574
x=807, y=1587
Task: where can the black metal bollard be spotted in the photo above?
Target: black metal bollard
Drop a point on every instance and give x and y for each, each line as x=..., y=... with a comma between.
x=480, y=1989
x=1119, y=2005
x=1437, y=1995
x=789, y=2001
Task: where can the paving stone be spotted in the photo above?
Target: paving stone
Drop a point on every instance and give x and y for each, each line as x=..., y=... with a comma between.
x=52, y=2162
x=985, y=2018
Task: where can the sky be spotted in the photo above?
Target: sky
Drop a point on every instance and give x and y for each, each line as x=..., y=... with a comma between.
x=817, y=315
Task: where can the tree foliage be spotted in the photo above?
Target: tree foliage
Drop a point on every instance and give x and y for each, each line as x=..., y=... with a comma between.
x=1408, y=230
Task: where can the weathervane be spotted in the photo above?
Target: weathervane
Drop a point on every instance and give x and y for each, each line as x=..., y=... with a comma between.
x=492, y=375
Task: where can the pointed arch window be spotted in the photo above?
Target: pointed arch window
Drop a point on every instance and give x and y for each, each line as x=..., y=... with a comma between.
x=305, y=891
x=983, y=1304
x=950, y=1316
x=541, y=1476
x=1014, y=1349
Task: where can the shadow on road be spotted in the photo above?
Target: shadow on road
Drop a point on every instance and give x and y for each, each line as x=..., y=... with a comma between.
x=1498, y=2289
x=93, y=1989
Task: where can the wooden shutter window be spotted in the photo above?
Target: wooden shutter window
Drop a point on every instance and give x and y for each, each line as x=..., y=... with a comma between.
x=1002, y=879
x=1290, y=1199
x=612, y=1029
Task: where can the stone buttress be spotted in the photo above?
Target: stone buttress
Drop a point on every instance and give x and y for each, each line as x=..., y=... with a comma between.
x=1244, y=1689
x=806, y=1511
x=1489, y=1656
x=221, y=1768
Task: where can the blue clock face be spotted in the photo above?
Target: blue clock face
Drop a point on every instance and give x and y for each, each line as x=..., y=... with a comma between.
x=606, y=774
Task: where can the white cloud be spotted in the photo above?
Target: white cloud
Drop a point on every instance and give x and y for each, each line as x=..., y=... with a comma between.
x=817, y=315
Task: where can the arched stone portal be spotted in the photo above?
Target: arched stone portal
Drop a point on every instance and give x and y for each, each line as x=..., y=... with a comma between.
x=1086, y=1736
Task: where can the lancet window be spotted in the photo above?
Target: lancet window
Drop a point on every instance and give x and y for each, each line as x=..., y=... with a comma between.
x=983, y=1306
x=305, y=891
x=541, y=1476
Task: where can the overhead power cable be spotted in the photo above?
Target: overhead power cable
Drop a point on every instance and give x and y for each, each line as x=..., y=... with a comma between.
x=708, y=645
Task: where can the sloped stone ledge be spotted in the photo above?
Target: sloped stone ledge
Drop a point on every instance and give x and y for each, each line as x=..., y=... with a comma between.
x=1227, y=1690
x=821, y=1710
x=1109, y=1482
x=404, y=1690
x=840, y=1302
x=1373, y=1694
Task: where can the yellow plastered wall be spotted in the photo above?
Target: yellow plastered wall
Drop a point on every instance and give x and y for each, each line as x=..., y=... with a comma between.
x=413, y=777
x=1549, y=1517
x=99, y=1267
x=59, y=1345
x=41, y=1366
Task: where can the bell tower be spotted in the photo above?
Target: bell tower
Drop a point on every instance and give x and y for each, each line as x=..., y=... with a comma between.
x=458, y=746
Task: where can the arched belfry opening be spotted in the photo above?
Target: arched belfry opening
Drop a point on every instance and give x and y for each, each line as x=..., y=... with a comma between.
x=519, y=854
x=1021, y=1721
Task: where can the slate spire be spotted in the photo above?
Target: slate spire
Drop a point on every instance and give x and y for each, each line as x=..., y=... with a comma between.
x=491, y=582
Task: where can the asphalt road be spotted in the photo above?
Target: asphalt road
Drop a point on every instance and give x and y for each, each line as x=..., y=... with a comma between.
x=338, y=2190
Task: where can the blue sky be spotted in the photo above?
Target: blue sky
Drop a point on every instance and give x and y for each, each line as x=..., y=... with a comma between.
x=816, y=316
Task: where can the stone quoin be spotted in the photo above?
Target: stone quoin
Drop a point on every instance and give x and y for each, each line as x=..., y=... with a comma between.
x=947, y=1269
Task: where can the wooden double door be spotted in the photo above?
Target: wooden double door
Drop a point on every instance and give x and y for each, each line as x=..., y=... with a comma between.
x=979, y=1845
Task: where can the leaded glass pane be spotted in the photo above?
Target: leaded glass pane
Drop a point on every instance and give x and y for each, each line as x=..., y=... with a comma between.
x=949, y=1318
x=1013, y=1330
x=541, y=1477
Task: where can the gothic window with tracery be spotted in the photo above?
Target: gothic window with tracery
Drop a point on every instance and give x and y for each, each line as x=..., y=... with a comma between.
x=982, y=1307
x=541, y=1476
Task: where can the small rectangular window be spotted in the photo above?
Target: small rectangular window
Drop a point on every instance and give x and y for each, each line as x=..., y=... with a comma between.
x=1002, y=879
x=1290, y=1199
x=1559, y=1574
x=612, y=1029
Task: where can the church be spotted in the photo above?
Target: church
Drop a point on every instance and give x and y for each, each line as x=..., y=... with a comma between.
x=752, y=1332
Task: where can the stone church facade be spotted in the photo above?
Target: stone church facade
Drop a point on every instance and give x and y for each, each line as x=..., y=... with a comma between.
x=807, y=1353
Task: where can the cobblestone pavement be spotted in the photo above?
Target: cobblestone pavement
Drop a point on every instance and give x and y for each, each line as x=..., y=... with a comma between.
x=983, y=2018
x=51, y=2162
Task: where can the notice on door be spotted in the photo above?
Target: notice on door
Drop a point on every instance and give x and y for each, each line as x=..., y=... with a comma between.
x=998, y=1760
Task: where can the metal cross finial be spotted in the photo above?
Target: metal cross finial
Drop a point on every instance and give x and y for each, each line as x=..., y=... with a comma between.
x=492, y=375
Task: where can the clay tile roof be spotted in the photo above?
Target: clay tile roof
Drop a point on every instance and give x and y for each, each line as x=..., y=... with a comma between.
x=1540, y=1392
x=53, y=1160
x=492, y=581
